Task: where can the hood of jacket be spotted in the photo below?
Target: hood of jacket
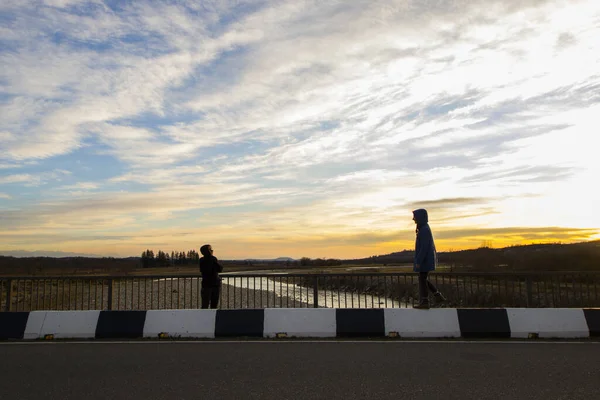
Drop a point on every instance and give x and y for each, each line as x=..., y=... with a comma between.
x=421, y=216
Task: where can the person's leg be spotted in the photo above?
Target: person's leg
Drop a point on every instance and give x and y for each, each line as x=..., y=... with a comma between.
x=423, y=295
x=214, y=296
x=439, y=297
x=431, y=286
x=205, y=294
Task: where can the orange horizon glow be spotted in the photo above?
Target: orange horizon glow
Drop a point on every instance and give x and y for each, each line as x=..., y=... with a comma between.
x=314, y=249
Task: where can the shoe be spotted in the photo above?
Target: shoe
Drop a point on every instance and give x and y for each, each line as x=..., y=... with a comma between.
x=439, y=297
x=422, y=306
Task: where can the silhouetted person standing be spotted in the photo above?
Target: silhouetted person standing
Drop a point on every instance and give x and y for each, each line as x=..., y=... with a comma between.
x=425, y=259
x=211, y=282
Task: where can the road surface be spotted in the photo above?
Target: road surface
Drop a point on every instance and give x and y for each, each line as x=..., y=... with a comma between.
x=299, y=370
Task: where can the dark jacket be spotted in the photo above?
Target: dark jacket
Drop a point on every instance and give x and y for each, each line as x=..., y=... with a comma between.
x=210, y=268
x=425, y=254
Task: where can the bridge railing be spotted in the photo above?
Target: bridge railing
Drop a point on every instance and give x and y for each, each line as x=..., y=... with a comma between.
x=349, y=290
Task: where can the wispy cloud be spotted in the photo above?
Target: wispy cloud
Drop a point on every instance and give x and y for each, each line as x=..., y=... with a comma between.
x=34, y=179
x=296, y=118
x=81, y=186
x=15, y=178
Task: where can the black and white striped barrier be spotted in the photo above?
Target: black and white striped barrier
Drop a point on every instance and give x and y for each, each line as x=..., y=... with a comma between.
x=304, y=323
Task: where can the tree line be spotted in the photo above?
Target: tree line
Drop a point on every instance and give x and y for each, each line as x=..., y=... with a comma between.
x=164, y=259
x=320, y=262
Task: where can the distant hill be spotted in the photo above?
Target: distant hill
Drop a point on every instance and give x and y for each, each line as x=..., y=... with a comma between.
x=44, y=253
x=572, y=257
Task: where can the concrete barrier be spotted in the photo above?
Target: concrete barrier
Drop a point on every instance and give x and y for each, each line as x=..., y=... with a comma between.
x=300, y=322
x=303, y=322
x=180, y=323
x=61, y=324
x=434, y=323
x=548, y=322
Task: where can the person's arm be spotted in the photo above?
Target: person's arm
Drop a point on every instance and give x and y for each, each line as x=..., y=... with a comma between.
x=424, y=237
x=218, y=265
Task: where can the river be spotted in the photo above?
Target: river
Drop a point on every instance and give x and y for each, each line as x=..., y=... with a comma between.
x=326, y=298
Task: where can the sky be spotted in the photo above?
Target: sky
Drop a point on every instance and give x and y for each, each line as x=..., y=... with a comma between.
x=297, y=128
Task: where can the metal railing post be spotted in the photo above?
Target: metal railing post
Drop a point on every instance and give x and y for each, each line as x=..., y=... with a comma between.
x=529, y=285
x=110, y=293
x=8, y=295
x=316, y=291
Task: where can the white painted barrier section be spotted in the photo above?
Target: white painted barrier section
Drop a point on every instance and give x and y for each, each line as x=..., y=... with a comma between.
x=35, y=321
x=61, y=324
x=547, y=322
x=65, y=324
x=442, y=322
x=300, y=322
x=181, y=323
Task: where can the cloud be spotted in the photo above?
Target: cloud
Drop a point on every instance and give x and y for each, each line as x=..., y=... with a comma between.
x=311, y=57
x=565, y=40
x=80, y=186
x=289, y=117
x=449, y=202
x=15, y=178
x=90, y=87
x=33, y=180
x=519, y=233
x=547, y=173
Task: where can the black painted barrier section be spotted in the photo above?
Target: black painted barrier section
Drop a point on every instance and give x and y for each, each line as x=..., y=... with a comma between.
x=12, y=325
x=239, y=323
x=360, y=322
x=120, y=324
x=483, y=323
x=592, y=317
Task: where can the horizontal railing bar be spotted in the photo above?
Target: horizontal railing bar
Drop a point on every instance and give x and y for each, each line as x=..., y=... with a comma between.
x=296, y=275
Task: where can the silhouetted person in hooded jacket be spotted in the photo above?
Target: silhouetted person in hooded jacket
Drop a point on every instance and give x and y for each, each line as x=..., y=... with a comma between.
x=425, y=259
x=211, y=282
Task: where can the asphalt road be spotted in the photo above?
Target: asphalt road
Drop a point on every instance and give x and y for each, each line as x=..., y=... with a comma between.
x=305, y=370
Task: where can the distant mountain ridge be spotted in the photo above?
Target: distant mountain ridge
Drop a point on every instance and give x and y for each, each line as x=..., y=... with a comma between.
x=552, y=256
x=45, y=253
